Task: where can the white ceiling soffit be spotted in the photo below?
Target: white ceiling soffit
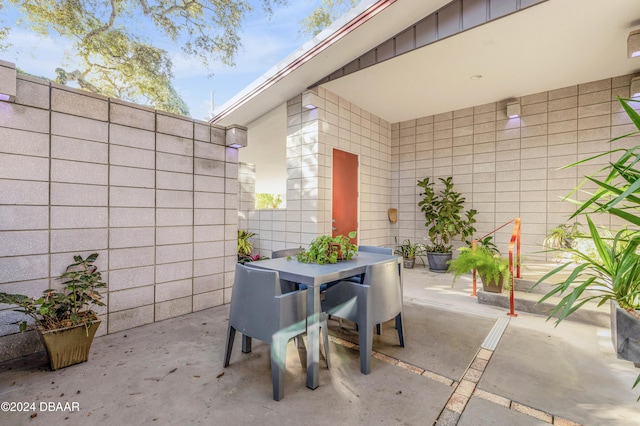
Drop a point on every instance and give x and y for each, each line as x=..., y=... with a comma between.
x=347, y=39
x=551, y=45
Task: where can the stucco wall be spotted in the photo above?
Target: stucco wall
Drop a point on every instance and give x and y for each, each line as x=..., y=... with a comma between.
x=153, y=193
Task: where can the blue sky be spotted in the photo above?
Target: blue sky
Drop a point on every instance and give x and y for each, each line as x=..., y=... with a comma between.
x=265, y=42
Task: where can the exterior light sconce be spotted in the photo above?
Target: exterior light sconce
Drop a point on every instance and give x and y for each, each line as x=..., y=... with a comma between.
x=236, y=137
x=310, y=100
x=633, y=44
x=634, y=88
x=513, y=109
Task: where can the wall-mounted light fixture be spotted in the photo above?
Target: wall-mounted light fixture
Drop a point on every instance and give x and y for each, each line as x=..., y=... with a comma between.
x=236, y=137
x=513, y=109
x=633, y=44
x=310, y=100
x=634, y=88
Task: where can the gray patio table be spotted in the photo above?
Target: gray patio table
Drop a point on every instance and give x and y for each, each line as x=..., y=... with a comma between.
x=313, y=275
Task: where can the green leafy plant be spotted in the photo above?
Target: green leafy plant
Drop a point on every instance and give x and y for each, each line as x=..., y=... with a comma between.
x=562, y=235
x=490, y=265
x=245, y=247
x=268, y=201
x=326, y=249
x=72, y=305
x=409, y=250
x=613, y=272
x=445, y=216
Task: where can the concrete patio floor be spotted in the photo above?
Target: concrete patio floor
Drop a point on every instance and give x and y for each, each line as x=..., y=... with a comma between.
x=464, y=364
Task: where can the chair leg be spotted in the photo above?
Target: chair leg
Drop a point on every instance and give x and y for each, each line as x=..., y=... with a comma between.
x=366, y=348
x=246, y=344
x=325, y=339
x=378, y=329
x=278, y=366
x=231, y=334
x=400, y=329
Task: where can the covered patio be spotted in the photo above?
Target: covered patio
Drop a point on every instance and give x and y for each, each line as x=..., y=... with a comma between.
x=464, y=364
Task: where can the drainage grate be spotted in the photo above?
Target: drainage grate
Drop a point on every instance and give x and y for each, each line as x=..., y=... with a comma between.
x=492, y=339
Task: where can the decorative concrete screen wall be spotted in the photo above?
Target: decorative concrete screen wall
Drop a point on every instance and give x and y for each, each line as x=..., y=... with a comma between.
x=155, y=194
x=312, y=134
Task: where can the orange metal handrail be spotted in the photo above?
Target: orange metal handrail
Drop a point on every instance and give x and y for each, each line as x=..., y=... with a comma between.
x=513, y=243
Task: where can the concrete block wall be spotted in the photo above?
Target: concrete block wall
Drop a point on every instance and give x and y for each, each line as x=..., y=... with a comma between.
x=509, y=168
x=155, y=194
x=312, y=136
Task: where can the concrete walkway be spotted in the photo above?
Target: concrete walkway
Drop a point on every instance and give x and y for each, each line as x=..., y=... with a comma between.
x=464, y=364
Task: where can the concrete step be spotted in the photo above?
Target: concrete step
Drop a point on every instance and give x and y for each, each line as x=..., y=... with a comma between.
x=590, y=313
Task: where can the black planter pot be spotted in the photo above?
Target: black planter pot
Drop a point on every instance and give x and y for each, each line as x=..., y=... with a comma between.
x=438, y=262
x=625, y=334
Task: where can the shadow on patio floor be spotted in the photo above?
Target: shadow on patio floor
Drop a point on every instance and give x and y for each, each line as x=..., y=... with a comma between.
x=171, y=372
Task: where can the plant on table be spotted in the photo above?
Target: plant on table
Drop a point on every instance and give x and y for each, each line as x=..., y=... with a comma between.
x=326, y=249
x=613, y=273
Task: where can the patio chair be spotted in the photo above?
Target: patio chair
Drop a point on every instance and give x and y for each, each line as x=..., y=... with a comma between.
x=376, y=300
x=376, y=249
x=285, y=253
x=259, y=309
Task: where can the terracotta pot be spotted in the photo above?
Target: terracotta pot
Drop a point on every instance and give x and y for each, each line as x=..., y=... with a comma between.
x=69, y=345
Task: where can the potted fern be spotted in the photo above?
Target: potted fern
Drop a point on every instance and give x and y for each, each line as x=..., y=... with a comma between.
x=445, y=219
x=492, y=268
x=64, y=318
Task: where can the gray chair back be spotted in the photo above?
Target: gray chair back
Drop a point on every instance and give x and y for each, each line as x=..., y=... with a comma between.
x=293, y=252
x=376, y=249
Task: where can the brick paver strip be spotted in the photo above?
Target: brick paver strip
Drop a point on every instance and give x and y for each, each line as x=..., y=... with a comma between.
x=438, y=378
x=384, y=358
x=546, y=417
x=559, y=421
x=410, y=367
x=491, y=397
x=457, y=402
x=472, y=375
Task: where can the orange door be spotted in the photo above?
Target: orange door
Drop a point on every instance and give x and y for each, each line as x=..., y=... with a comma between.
x=345, y=193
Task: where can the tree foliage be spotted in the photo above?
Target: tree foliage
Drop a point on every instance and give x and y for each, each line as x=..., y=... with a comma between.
x=325, y=14
x=112, y=45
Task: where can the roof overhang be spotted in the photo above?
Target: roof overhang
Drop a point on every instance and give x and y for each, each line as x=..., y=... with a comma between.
x=551, y=45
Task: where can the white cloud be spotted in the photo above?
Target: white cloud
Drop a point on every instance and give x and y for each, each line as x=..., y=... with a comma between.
x=35, y=54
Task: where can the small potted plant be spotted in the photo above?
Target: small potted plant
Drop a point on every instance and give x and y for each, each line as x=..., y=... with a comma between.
x=562, y=236
x=245, y=246
x=326, y=249
x=492, y=268
x=409, y=251
x=65, y=319
x=446, y=219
